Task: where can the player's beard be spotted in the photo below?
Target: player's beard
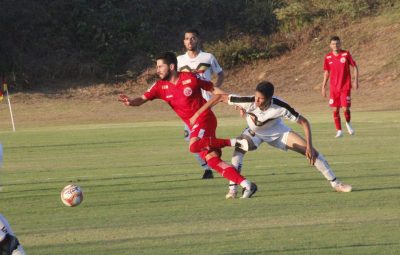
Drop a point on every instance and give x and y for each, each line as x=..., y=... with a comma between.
x=167, y=76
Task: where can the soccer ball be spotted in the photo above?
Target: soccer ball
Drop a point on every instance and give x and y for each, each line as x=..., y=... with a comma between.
x=71, y=195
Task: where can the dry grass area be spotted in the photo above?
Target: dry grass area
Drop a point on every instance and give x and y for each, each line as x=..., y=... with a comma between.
x=373, y=42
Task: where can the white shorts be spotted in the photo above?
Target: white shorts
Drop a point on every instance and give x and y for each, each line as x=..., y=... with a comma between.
x=279, y=140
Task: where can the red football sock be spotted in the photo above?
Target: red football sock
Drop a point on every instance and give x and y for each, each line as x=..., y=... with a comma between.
x=207, y=143
x=347, y=115
x=226, y=170
x=336, y=118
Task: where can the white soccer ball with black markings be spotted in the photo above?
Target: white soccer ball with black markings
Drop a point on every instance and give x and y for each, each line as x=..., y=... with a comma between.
x=72, y=195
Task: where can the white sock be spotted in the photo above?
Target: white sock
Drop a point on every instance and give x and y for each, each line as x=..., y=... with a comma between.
x=322, y=165
x=237, y=161
x=202, y=162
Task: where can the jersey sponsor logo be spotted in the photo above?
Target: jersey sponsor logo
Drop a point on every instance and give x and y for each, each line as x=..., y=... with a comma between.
x=344, y=54
x=169, y=96
x=164, y=87
x=186, y=81
x=328, y=57
x=343, y=60
x=187, y=91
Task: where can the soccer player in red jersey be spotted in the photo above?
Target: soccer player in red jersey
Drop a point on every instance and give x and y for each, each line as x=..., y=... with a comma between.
x=182, y=92
x=337, y=69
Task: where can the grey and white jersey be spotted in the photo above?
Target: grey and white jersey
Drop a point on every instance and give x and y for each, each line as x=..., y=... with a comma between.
x=4, y=228
x=265, y=123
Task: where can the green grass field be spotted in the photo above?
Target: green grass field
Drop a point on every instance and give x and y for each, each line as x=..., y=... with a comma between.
x=144, y=195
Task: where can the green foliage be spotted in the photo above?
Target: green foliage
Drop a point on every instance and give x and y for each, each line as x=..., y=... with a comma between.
x=95, y=39
x=298, y=14
x=245, y=49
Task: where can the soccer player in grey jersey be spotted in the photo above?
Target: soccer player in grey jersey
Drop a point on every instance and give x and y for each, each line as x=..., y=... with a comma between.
x=264, y=113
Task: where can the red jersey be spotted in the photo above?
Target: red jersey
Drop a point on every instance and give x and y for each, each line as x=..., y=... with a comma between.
x=339, y=68
x=184, y=97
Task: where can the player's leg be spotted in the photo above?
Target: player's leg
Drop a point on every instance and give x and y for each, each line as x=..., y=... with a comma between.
x=237, y=159
x=208, y=174
x=203, y=140
x=213, y=158
x=338, y=124
x=298, y=144
x=346, y=103
x=335, y=103
x=202, y=137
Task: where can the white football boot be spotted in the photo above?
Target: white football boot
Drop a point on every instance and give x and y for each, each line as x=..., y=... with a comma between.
x=248, y=193
x=339, y=134
x=242, y=144
x=339, y=186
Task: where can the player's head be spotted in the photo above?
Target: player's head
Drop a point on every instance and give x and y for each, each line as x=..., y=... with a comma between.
x=191, y=39
x=335, y=43
x=264, y=93
x=166, y=65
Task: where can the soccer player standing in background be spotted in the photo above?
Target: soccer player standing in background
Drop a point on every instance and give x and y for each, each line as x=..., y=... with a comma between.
x=337, y=69
x=204, y=64
x=182, y=92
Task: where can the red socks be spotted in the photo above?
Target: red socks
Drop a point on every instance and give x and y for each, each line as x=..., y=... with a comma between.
x=336, y=118
x=226, y=170
x=207, y=143
x=347, y=115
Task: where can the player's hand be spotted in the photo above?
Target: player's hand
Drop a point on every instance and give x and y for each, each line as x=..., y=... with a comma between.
x=323, y=92
x=356, y=84
x=124, y=99
x=242, y=112
x=193, y=119
x=311, y=155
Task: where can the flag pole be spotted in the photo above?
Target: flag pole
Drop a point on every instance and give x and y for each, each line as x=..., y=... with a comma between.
x=9, y=104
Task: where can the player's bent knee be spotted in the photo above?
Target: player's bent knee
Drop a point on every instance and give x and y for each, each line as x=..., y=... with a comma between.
x=194, y=147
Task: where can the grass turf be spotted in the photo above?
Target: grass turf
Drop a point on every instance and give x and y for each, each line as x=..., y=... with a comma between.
x=144, y=195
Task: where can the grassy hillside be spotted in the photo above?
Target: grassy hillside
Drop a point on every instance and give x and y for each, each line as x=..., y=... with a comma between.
x=374, y=43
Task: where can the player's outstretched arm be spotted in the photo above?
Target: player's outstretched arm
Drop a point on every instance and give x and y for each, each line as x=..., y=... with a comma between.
x=132, y=101
x=215, y=99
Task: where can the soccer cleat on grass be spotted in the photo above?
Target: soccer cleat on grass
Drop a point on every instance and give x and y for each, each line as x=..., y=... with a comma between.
x=242, y=144
x=208, y=174
x=339, y=133
x=349, y=128
x=339, y=186
x=248, y=193
x=232, y=194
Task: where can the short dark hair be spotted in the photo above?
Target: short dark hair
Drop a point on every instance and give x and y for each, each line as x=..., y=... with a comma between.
x=266, y=88
x=169, y=58
x=192, y=31
x=335, y=38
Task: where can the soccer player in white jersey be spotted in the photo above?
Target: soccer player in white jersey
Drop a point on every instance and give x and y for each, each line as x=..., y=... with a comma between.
x=204, y=65
x=264, y=113
x=9, y=244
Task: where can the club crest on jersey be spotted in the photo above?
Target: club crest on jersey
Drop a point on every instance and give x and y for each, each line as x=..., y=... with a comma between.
x=186, y=81
x=187, y=91
x=343, y=60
